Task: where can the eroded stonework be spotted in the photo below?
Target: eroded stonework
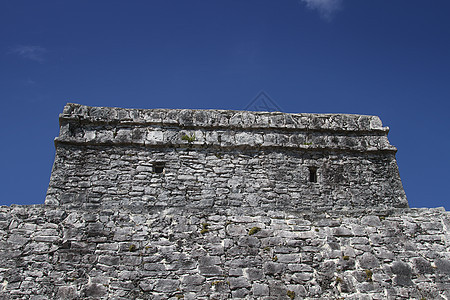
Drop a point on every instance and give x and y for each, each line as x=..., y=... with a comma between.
x=190, y=204
x=107, y=156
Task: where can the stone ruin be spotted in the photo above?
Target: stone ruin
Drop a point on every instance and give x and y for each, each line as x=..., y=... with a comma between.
x=215, y=204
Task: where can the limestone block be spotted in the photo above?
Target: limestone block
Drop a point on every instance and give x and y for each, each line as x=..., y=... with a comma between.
x=238, y=282
x=154, y=137
x=259, y=289
x=166, y=285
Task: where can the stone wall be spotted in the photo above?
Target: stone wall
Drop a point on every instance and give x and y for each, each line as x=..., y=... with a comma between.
x=193, y=204
x=107, y=157
x=60, y=253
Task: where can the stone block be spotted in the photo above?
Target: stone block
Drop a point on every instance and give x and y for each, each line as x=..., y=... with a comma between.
x=300, y=267
x=260, y=290
x=342, y=232
x=192, y=279
x=296, y=290
x=94, y=290
x=249, y=241
x=131, y=260
x=443, y=266
x=302, y=277
x=238, y=282
x=373, y=221
x=235, y=272
x=17, y=240
x=277, y=290
x=109, y=260
x=166, y=285
x=210, y=270
x=401, y=268
x=271, y=268
x=253, y=274
x=239, y=293
x=154, y=267
x=289, y=258
x=47, y=239
x=368, y=261
x=67, y=292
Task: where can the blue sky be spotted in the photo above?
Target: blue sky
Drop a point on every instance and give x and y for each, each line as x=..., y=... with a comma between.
x=389, y=58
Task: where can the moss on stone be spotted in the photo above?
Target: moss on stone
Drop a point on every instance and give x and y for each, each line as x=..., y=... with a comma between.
x=254, y=230
x=369, y=274
x=204, y=228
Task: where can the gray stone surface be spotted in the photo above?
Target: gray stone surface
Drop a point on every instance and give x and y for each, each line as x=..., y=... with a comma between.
x=232, y=215
x=174, y=257
x=106, y=157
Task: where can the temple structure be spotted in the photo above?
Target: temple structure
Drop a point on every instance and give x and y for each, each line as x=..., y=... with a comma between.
x=215, y=204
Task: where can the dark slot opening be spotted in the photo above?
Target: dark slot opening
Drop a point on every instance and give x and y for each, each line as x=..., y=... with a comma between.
x=158, y=168
x=312, y=174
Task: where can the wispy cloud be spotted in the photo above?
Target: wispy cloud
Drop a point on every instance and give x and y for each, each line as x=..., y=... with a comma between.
x=35, y=53
x=326, y=8
x=30, y=82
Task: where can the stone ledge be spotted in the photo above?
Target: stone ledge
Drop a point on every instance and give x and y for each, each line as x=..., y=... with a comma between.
x=113, y=126
x=222, y=119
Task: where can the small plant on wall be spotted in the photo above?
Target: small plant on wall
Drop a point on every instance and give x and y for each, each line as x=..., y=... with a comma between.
x=290, y=294
x=204, y=228
x=368, y=275
x=254, y=230
x=189, y=138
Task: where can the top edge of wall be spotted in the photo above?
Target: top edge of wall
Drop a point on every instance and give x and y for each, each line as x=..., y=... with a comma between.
x=223, y=118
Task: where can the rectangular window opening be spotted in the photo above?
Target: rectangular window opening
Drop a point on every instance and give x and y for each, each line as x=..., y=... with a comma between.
x=312, y=174
x=158, y=168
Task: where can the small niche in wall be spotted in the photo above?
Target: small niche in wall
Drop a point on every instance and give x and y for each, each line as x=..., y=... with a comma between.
x=312, y=174
x=158, y=167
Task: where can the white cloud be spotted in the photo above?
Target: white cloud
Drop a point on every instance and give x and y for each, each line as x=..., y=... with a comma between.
x=35, y=53
x=30, y=82
x=326, y=8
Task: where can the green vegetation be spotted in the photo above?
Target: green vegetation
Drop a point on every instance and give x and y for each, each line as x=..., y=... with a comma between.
x=132, y=248
x=290, y=294
x=368, y=275
x=345, y=257
x=189, y=138
x=275, y=258
x=219, y=282
x=204, y=228
x=254, y=230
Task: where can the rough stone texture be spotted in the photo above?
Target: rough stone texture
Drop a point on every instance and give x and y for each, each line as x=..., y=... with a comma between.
x=229, y=217
x=107, y=156
x=163, y=253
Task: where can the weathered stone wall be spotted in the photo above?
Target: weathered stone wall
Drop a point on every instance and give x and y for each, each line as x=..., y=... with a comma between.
x=106, y=157
x=172, y=204
x=61, y=253
x=123, y=175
